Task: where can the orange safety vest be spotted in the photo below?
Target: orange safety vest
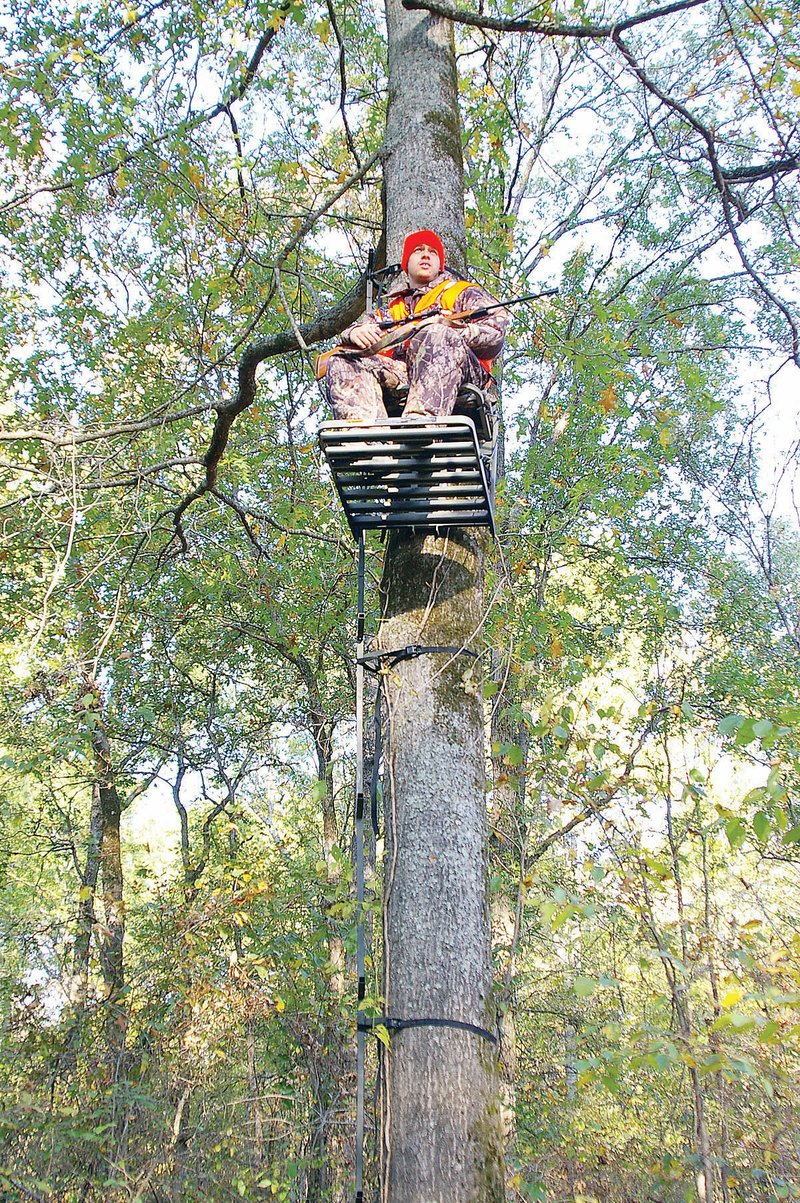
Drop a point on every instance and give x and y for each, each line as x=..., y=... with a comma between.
x=443, y=294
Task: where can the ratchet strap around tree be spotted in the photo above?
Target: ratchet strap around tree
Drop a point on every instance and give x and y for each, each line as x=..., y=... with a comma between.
x=393, y=1024
x=373, y=661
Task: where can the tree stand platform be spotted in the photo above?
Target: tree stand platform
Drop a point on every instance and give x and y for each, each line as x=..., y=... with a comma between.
x=410, y=473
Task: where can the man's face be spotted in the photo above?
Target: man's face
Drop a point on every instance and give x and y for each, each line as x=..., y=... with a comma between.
x=423, y=265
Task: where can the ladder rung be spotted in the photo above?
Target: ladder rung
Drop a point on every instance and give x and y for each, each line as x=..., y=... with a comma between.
x=425, y=479
x=402, y=455
x=443, y=491
x=434, y=518
x=413, y=503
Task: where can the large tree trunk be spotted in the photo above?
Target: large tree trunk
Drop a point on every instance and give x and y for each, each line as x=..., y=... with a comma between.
x=442, y=1130
x=424, y=173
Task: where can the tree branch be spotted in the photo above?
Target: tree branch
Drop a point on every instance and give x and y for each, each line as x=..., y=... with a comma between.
x=552, y=29
x=720, y=183
x=342, y=82
x=156, y=419
x=765, y=171
x=240, y=153
x=252, y=67
x=324, y=326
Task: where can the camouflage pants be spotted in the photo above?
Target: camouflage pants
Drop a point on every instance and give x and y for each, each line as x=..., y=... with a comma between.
x=434, y=365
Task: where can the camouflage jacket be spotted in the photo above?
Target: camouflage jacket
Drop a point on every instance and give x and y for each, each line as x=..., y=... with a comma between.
x=484, y=337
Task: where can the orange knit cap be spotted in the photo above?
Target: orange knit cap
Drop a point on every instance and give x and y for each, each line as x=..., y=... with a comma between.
x=422, y=238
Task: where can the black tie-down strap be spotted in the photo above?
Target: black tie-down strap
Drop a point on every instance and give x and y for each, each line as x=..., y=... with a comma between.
x=367, y=1023
x=373, y=661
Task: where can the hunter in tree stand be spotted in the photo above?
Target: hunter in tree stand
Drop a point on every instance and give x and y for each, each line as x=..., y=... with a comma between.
x=434, y=360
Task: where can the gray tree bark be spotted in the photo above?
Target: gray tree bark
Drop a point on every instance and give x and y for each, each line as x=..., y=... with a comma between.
x=442, y=1120
x=112, y=954
x=424, y=169
x=79, y=985
x=442, y=1132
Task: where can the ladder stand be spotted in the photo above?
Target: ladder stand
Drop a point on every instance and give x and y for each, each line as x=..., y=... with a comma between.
x=415, y=475
x=397, y=475
x=410, y=474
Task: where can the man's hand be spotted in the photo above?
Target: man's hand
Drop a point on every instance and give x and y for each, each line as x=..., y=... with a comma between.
x=365, y=335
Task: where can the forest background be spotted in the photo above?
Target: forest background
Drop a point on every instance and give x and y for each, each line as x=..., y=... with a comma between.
x=189, y=195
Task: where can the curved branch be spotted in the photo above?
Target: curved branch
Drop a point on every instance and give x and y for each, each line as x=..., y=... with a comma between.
x=252, y=67
x=323, y=326
x=240, y=153
x=553, y=29
x=342, y=82
x=764, y=171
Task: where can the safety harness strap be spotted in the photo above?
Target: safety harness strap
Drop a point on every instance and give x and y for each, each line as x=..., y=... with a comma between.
x=445, y=294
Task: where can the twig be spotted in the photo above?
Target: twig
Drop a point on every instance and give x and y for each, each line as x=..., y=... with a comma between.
x=342, y=82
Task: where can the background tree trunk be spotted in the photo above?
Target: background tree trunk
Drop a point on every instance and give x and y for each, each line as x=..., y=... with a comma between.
x=81, y=956
x=112, y=946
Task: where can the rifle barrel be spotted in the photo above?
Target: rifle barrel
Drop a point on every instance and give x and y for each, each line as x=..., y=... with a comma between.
x=469, y=313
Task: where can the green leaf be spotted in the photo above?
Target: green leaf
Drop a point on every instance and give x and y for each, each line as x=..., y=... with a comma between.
x=583, y=987
x=735, y=832
x=774, y=787
x=741, y=1022
x=381, y=1032
x=762, y=826
x=746, y=733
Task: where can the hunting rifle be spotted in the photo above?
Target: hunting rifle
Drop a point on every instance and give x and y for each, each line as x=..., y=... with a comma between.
x=399, y=329
x=467, y=314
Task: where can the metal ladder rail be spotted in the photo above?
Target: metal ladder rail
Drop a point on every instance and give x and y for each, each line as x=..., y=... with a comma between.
x=361, y=1035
